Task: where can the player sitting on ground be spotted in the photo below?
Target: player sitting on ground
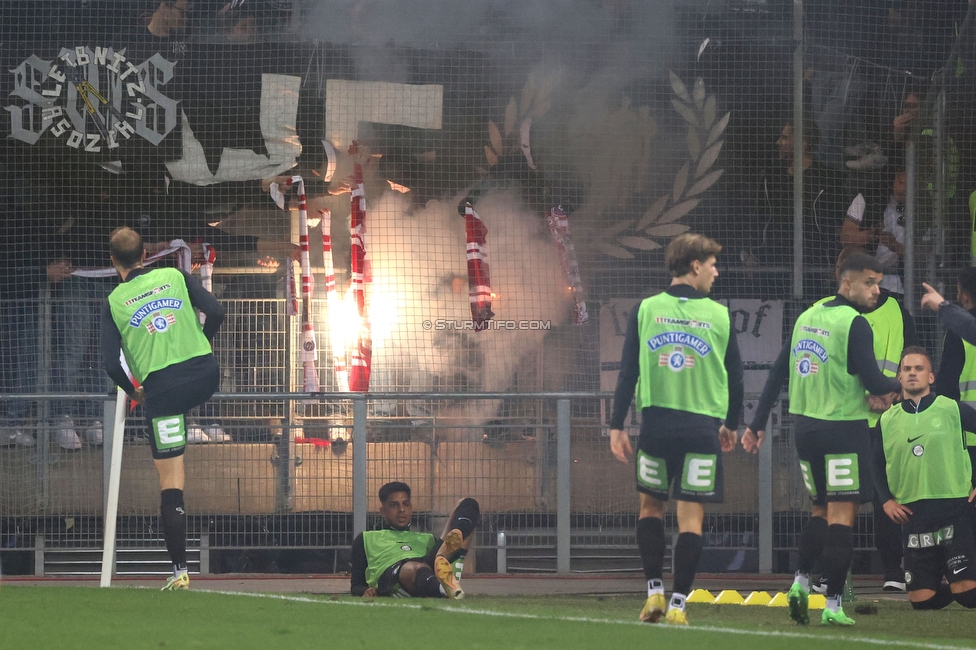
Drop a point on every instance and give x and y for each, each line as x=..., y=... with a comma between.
x=396, y=561
x=926, y=484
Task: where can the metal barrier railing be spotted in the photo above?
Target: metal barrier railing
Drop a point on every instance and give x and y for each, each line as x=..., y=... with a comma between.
x=562, y=458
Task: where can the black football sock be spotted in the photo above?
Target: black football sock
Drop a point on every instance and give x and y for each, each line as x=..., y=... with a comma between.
x=425, y=583
x=838, y=549
x=173, y=516
x=687, y=552
x=941, y=598
x=650, y=542
x=811, y=544
x=966, y=598
x=465, y=517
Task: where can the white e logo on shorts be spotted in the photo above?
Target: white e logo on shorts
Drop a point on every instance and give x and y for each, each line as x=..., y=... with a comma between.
x=842, y=472
x=808, y=478
x=170, y=431
x=700, y=472
x=651, y=472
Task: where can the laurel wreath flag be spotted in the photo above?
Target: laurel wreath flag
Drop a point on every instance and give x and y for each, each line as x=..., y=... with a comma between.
x=695, y=176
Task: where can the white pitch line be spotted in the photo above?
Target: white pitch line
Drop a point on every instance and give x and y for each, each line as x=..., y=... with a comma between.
x=585, y=619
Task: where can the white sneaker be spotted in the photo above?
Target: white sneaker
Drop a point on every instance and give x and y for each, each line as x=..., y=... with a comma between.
x=15, y=437
x=95, y=434
x=67, y=436
x=216, y=433
x=196, y=436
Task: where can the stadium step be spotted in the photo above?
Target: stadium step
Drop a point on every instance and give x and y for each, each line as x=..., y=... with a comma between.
x=132, y=558
x=534, y=550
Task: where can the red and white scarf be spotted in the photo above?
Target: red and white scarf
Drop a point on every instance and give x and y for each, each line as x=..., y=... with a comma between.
x=559, y=228
x=363, y=352
x=332, y=299
x=309, y=349
x=479, y=278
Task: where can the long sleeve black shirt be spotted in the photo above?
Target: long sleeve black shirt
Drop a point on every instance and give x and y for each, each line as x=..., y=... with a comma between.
x=860, y=362
x=666, y=419
x=176, y=374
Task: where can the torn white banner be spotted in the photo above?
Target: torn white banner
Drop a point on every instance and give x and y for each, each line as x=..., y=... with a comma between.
x=279, y=113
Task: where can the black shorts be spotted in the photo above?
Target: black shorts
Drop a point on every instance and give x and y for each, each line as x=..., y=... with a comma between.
x=389, y=581
x=166, y=412
x=691, y=462
x=836, y=463
x=939, y=547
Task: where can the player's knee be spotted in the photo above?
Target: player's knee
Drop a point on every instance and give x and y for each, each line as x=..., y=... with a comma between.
x=967, y=598
x=941, y=598
x=466, y=516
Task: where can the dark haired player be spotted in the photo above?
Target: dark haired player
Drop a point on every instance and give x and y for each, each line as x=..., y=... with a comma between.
x=396, y=561
x=830, y=363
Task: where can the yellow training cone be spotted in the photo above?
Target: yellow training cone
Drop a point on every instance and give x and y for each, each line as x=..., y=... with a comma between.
x=757, y=598
x=728, y=597
x=817, y=601
x=700, y=596
x=779, y=600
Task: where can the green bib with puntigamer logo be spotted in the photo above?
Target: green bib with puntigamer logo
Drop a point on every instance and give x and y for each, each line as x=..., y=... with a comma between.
x=682, y=355
x=384, y=548
x=820, y=386
x=888, y=326
x=157, y=322
x=925, y=453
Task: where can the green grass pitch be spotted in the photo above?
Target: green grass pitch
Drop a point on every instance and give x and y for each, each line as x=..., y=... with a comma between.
x=77, y=617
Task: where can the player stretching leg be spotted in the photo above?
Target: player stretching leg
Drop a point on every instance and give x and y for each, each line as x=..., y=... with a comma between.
x=152, y=317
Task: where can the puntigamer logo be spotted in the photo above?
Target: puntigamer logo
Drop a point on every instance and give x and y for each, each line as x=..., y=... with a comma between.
x=808, y=352
x=154, y=306
x=92, y=99
x=680, y=338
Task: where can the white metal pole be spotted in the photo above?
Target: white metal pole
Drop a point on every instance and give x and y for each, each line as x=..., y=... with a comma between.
x=112, y=502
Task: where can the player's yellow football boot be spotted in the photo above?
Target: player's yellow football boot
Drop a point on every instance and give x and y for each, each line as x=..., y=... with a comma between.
x=676, y=616
x=181, y=581
x=452, y=542
x=653, y=609
x=835, y=618
x=444, y=571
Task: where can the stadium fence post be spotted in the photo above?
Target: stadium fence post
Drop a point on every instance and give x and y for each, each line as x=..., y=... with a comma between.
x=766, y=502
x=562, y=485
x=358, y=464
x=502, y=553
